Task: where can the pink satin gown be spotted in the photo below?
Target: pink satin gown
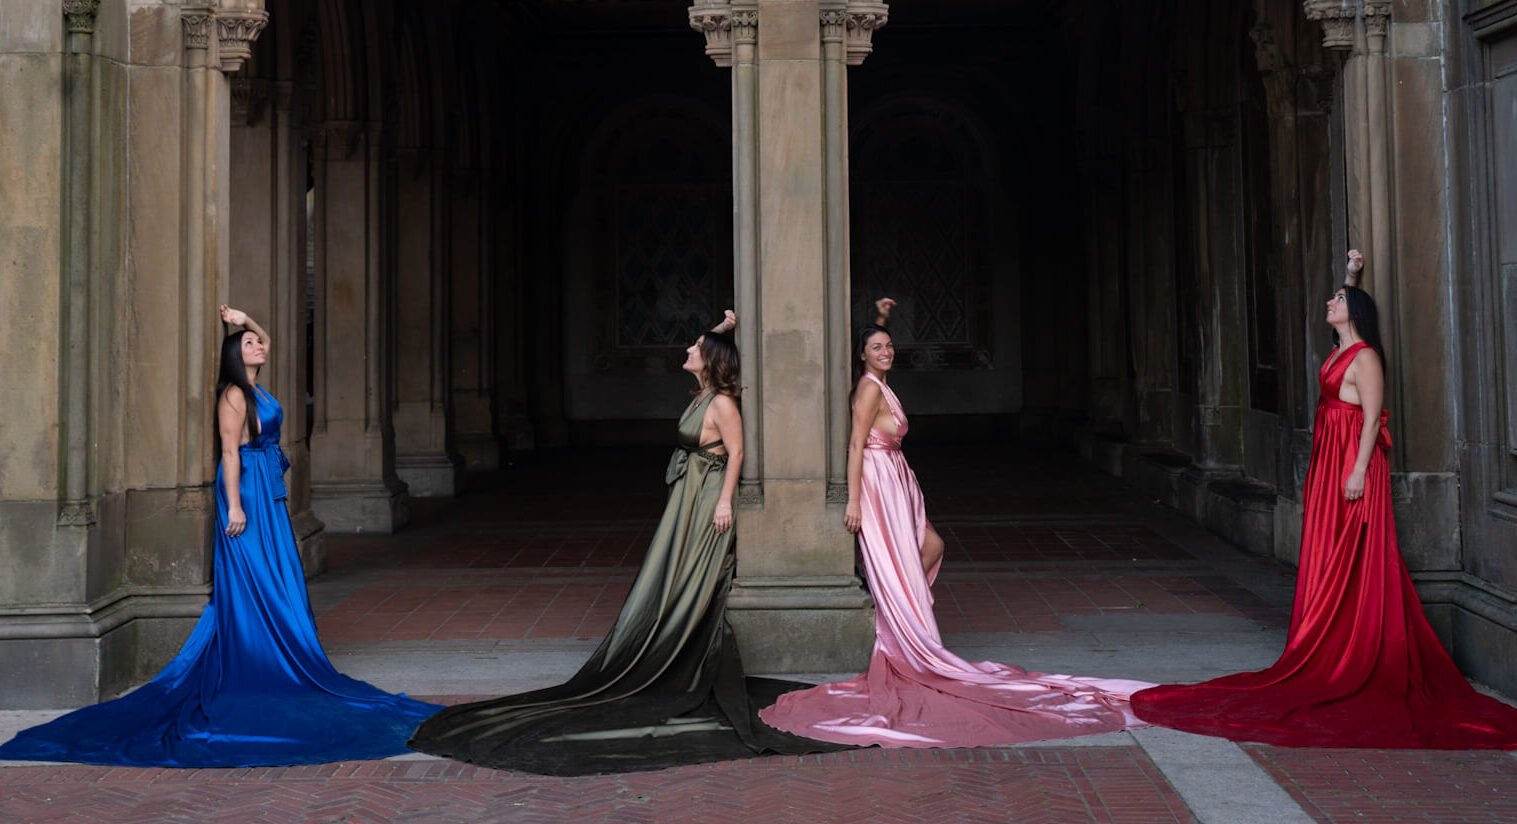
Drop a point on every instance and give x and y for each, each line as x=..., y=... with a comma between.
x=916, y=693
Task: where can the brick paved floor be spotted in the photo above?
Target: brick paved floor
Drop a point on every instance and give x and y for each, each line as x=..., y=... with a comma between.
x=1051, y=560
x=1396, y=786
x=1097, y=784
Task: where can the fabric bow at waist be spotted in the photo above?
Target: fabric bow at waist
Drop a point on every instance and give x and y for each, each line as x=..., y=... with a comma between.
x=272, y=451
x=1383, y=440
x=681, y=459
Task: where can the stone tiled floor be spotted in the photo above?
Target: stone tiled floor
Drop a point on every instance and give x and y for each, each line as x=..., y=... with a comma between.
x=1052, y=566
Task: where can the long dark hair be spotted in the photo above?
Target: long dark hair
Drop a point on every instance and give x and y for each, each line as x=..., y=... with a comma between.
x=723, y=366
x=1366, y=319
x=859, y=342
x=235, y=373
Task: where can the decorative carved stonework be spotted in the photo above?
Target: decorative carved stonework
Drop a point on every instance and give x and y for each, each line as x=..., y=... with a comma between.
x=834, y=23
x=237, y=29
x=76, y=513
x=248, y=98
x=197, y=27
x=192, y=499
x=837, y=493
x=81, y=15
x=750, y=494
x=1377, y=17
x=864, y=17
x=1337, y=19
x=714, y=19
x=745, y=26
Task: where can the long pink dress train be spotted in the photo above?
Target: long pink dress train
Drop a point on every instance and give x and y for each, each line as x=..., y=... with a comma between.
x=916, y=693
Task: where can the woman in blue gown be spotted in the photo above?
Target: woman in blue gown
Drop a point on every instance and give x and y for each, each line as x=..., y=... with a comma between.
x=252, y=686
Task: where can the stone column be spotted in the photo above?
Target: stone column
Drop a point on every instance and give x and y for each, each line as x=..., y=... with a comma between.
x=795, y=605
x=267, y=272
x=471, y=372
x=424, y=457
x=354, y=487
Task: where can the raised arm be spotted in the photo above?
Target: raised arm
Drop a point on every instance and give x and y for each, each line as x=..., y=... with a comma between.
x=882, y=309
x=727, y=323
x=237, y=317
x=729, y=427
x=231, y=421
x=1369, y=380
x=1353, y=269
x=866, y=407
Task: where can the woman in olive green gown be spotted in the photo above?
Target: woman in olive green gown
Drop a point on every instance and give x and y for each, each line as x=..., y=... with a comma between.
x=666, y=687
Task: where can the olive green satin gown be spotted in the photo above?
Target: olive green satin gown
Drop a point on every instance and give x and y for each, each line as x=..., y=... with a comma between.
x=666, y=686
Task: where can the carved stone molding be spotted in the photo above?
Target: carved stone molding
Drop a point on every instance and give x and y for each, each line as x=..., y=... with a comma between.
x=197, y=26
x=236, y=29
x=1337, y=19
x=864, y=18
x=81, y=15
x=745, y=26
x=1377, y=17
x=714, y=20
x=834, y=23
x=76, y=513
x=192, y=499
x=249, y=95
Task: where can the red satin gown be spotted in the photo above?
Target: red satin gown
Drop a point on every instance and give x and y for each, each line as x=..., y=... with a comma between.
x=1361, y=666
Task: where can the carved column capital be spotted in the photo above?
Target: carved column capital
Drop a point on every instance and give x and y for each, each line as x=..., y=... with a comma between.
x=863, y=18
x=1377, y=17
x=249, y=95
x=81, y=15
x=197, y=26
x=1337, y=19
x=714, y=20
x=236, y=29
x=834, y=24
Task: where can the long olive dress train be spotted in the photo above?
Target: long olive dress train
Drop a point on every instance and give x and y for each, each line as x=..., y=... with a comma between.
x=666, y=686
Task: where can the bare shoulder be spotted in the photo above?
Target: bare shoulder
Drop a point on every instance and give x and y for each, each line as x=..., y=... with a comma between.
x=233, y=397
x=1366, y=359
x=868, y=391
x=724, y=405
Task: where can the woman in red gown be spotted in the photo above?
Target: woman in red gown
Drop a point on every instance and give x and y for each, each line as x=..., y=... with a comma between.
x=1361, y=666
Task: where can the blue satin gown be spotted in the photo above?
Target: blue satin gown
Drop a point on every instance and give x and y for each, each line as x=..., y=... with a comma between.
x=252, y=686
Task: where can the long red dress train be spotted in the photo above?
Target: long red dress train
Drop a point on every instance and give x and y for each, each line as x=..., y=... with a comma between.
x=1361, y=666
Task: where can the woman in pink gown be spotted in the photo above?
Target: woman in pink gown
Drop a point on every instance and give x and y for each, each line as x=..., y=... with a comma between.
x=917, y=693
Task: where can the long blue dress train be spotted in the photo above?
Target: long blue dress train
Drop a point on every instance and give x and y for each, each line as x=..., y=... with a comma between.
x=252, y=686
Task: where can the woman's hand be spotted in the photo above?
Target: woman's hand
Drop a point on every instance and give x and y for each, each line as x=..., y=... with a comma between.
x=882, y=309
x=236, y=522
x=1353, y=488
x=723, y=518
x=234, y=317
x=1355, y=262
x=728, y=322
x=851, y=518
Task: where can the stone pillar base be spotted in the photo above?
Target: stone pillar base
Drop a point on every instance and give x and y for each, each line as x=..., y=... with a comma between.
x=437, y=475
x=309, y=531
x=359, y=507
x=802, y=624
x=61, y=657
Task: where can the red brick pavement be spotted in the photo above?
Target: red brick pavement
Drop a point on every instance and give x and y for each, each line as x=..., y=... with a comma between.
x=1410, y=786
x=1058, y=785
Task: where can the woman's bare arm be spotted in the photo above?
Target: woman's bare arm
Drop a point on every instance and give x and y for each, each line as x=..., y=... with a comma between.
x=1369, y=380
x=237, y=317
x=729, y=427
x=231, y=420
x=866, y=407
